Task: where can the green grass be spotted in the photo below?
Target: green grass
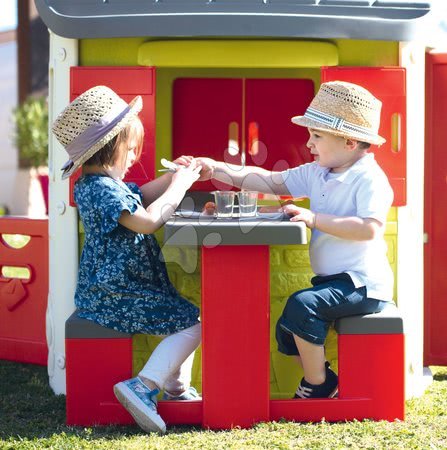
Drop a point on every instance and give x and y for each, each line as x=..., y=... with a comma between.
x=31, y=417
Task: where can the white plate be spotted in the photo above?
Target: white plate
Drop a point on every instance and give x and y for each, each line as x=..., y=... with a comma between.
x=187, y=214
x=190, y=214
x=272, y=215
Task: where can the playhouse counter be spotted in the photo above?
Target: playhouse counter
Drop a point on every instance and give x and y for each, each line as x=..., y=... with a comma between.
x=209, y=231
x=235, y=267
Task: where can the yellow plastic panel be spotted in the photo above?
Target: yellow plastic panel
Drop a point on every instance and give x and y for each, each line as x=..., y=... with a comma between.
x=237, y=53
x=367, y=53
x=348, y=52
x=109, y=52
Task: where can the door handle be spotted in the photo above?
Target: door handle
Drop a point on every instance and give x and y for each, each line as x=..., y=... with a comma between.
x=253, y=138
x=396, y=133
x=233, y=139
x=233, y=148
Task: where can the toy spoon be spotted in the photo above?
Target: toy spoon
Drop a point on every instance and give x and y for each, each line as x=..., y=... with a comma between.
x=169, y=165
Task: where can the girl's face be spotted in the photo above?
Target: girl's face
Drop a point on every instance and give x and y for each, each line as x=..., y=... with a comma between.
x=334, y=152
x=130, y=153
x=128, y=149
x=126, y=155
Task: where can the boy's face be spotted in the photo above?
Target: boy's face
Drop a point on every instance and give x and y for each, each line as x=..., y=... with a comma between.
x=334, y=152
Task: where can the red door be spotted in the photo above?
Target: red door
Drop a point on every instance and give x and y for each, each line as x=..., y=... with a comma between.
x=435, y=266
x=212, y=115
x=207, y=117
x=269, y=106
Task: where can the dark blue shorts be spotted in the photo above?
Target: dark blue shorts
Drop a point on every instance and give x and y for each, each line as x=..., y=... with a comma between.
x=309, y=313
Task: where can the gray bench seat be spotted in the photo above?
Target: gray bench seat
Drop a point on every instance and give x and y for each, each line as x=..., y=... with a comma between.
x=388, y=321
x=79, y=328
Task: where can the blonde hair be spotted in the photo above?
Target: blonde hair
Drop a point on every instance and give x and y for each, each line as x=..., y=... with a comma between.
x=108, y=155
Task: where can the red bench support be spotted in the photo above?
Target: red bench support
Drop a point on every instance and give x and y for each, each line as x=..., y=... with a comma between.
x=96, y=359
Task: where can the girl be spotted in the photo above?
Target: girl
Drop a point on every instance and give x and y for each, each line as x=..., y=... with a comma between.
x=123, y=283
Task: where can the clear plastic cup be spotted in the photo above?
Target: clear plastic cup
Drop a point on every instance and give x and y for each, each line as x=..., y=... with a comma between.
x=224, y=204
x=248, y=203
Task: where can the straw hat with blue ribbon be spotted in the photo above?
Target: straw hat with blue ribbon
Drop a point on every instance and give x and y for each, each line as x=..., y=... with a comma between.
x=90, y=122
x=344, y=109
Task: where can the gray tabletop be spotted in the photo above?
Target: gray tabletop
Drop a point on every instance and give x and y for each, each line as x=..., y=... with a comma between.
x=209, y=231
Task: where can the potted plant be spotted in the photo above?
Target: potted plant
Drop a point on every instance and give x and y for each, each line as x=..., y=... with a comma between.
x=31, y=140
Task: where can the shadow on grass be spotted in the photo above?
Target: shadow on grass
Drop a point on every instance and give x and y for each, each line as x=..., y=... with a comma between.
x=29, y=409
x=439, y=373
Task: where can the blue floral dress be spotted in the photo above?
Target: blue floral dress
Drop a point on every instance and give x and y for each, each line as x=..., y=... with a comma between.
x=123, y=283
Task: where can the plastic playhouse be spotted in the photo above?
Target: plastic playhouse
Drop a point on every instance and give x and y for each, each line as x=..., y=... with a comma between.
x=222, y=79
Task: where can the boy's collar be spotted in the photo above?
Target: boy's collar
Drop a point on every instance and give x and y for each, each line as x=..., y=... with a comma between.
x=351, y=173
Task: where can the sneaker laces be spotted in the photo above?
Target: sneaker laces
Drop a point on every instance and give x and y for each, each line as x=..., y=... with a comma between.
x=303, y=392
x=146, y=391
x=325, y=390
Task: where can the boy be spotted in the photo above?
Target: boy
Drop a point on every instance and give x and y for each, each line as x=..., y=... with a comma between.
x=349, y=201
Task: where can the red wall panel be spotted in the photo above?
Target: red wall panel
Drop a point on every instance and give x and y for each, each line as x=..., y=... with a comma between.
x=388, y=85
x=23, y=302
x=435, y=250
x=127, y=82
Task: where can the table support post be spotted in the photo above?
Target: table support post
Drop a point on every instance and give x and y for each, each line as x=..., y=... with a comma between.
x=236, y=351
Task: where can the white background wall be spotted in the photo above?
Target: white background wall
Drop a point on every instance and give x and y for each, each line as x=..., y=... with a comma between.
x=8, y=96
x=20, y=190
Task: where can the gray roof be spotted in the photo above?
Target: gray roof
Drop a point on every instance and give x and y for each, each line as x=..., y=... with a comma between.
x=354, y=19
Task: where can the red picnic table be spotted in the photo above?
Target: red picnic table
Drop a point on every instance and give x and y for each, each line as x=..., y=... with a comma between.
x=236, y=342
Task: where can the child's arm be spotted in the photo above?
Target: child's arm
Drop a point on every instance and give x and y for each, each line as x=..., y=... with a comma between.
x=248, y=177
x=352, y=228
x=149, y=220
x=155, y=188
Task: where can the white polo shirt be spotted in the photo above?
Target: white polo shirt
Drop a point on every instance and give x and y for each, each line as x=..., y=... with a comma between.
x=363, y=191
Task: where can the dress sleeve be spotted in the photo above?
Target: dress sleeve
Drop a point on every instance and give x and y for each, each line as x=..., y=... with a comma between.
x=112, y=201
x=135, y=189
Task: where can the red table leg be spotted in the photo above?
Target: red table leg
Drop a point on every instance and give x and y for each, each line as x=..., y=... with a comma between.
x=235, y=324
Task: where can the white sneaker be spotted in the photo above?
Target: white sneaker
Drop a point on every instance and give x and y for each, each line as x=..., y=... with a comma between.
x=190, y=394
x=141, y=403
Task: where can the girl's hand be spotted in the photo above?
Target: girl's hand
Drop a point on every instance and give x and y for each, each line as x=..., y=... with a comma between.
x=185, y=176
x=301, y=215
x=183, y=160
x=208, y=165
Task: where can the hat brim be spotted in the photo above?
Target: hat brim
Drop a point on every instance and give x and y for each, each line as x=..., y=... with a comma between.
x=135, y=107
x=310, y=123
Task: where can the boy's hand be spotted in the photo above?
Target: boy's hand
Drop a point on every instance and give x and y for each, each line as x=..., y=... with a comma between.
x=208, y=165
x=300, y=215
x=275, y=208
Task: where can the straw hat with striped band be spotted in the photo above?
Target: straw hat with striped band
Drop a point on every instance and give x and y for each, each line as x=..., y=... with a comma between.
x=344, y=109
x=89, y=122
